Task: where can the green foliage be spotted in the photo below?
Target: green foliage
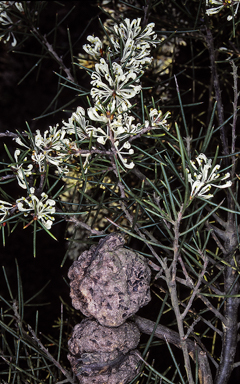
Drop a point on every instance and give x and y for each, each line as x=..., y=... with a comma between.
x=139, y=156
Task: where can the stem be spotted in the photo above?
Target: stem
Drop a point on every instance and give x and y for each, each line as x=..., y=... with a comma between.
x=230, y=329
x=210, y=44
x=50, y=49
x=164, y=333
x=235, y=110
x=170, y=274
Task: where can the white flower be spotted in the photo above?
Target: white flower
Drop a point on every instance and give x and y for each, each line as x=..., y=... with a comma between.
x=123, y=127
x=157, y=119
x=133, y=30
x=93, y=113
x=118, y=129
x=51, y=148
x=95, y=48
x=101, y=135
x=40, y=209
x=117, y=85
x=106, y=113
x=4, y=209
x=125, y=149
x=77, y=124
x=205, y=177
x=19, y=141
x=52, y=139
x=22, y=173
x=7, y=4
x=39, y=160
x=218, y=5
x=128, y=29
x=5, y=20
x=135, y=41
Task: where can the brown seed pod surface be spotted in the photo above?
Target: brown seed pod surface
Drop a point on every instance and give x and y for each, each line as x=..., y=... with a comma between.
x=101, y=354
x=110, y=282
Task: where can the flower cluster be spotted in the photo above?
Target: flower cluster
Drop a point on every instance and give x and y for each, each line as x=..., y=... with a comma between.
x=40, y=209
x=119, y=81
x=4, y=209
x=51, y=148
x=218, y=5
x=204, y=177
x=107, y=124
x=6, y=21
x=127, y=41
x=115, y=82
x=21, y=173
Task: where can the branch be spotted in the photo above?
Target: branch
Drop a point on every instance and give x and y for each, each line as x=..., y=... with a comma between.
x=51, y=358
x=80, y=224
x=230, y=329
x=195, y=289
x=235, y=110
x=38, y=342
x=50, y=49
x=164, y=333
x=11, y=134
x=170, y=273
x=210, y=45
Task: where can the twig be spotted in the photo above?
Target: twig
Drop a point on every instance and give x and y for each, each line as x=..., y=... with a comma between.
x=216, y=239
x=50, y=49
x=78, y=223
x=147, y=326
x=170, y=273
x=51, y=358
x=210, y=45
x=11, y=134
x=7, y=177
x=39, y=343
x=235, y=110
x=195, y=290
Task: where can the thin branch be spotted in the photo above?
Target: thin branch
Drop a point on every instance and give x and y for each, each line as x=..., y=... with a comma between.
x=210, y=45
x=235, y=110
x=51, y=50
x=164, y=333
x=216, y=239
x=195, y=289
x=170, y=274
x=212, y=308
x=80, y=224
x=11, y=134
x=38, y=342
x=51, y=358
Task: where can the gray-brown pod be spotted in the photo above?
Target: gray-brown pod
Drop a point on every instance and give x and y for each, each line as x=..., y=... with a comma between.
x=110, y=282
x=104, y=355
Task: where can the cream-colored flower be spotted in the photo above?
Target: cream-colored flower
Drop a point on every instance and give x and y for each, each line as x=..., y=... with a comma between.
x=94, y=48
x=133, y=43
x=51, y=140
x=4, y=210
x=123, y=127
x=205, y=177
x=218, y=5
x=157, y=119
x=51, y=148
x=77, y=124
x=114, y=84
x=22, y=173
x=5, y=20
x=122, y=151
x=102, y=114
x=40, y=209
